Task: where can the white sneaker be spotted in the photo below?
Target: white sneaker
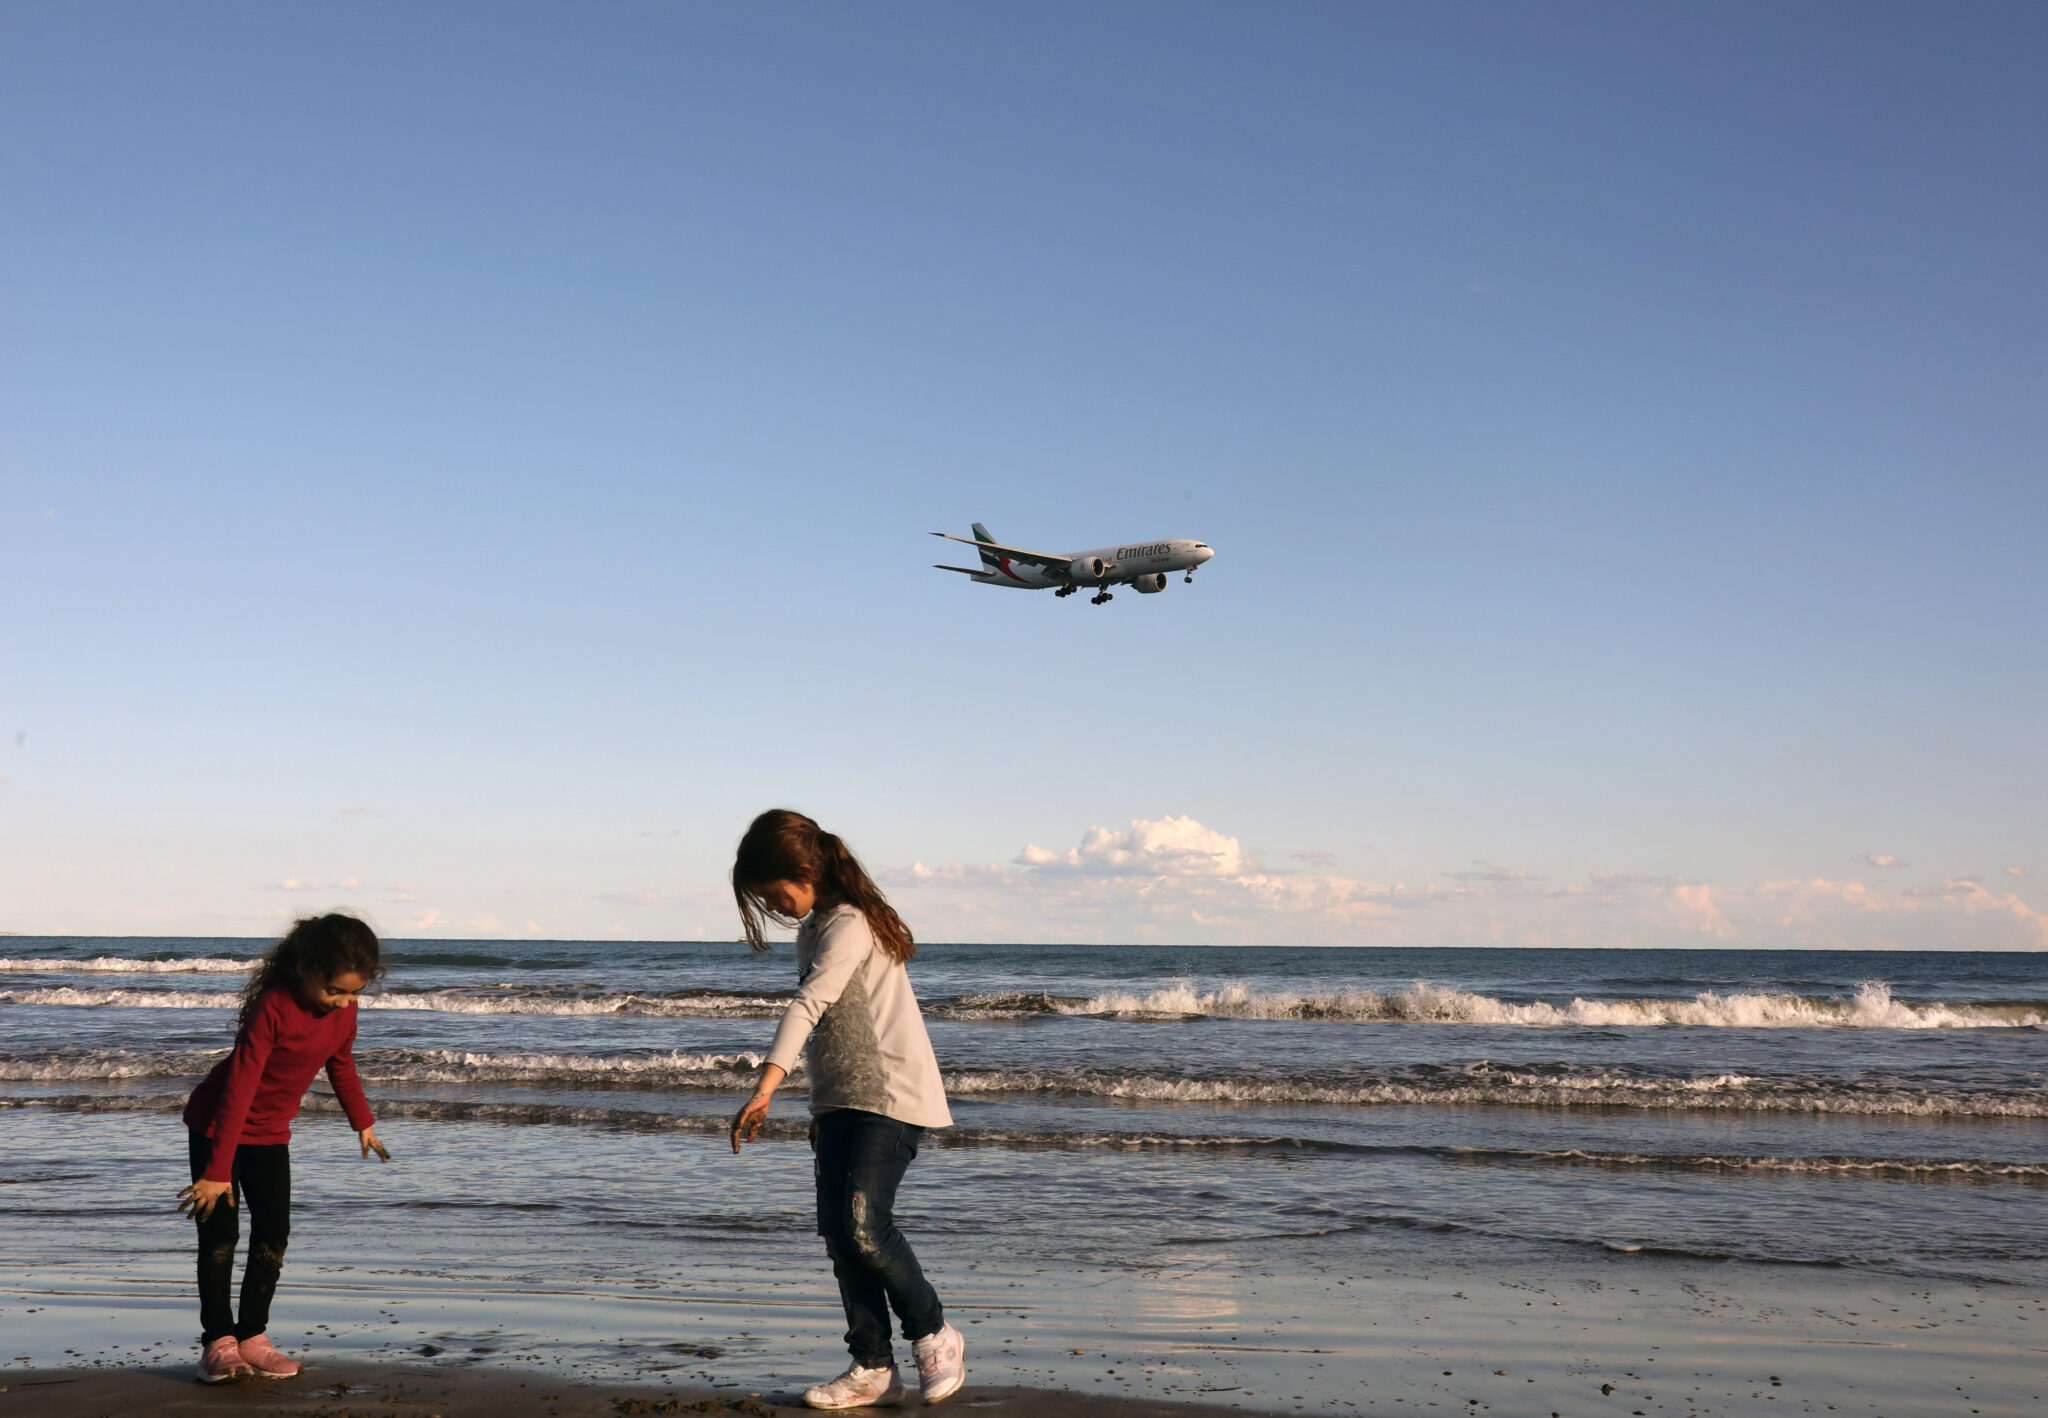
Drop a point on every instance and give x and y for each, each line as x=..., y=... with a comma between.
x=857, y=1388
x=941, y=1363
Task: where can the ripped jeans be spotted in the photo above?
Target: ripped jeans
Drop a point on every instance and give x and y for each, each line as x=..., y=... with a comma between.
x=263, y=1182
x=860, y=1160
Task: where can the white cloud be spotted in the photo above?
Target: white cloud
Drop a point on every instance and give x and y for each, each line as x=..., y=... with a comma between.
x=1694, y=904
x=1172, y=879
x=1632, y=881
x=2020, y=872
x=1176, y=879
x=1958, y=914
x=1484, y=873
x=1879, y=859
x=635, y=898
x=1172, y=846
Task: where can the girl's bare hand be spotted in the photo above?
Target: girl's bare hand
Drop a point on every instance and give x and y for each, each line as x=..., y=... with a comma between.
x=746, y=1123
x=368, y=1137
x=198, y=1200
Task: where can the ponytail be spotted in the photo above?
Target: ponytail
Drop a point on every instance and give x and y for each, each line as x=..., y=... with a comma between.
x=853, y=886
x=781, y=845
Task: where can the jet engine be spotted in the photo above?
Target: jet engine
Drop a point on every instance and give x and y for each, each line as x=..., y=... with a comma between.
x=1087, y=568
x=1151, y=583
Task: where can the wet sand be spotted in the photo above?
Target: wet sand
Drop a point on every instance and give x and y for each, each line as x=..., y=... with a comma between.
x=389, y=1391
x=1624, y=1337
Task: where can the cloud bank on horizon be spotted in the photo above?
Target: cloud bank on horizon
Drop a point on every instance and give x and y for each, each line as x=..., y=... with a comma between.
x=1167, y=880
x=1175, y=879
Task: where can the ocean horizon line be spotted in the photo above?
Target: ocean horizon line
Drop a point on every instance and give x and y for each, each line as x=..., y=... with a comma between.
x=390, y=941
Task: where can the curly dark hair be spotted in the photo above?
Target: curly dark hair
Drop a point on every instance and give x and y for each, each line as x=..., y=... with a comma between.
x=316, y=947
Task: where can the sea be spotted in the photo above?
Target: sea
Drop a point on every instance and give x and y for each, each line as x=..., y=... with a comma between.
x=1143, y=1135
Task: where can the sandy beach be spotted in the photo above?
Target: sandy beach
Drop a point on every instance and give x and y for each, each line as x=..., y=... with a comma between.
x=365, y=1391
x=1622, y=1337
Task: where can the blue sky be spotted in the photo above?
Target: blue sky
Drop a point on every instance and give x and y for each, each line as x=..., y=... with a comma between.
x=463, y=461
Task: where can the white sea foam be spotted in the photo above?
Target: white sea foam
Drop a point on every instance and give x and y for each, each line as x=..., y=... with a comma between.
x=68, y=995
x=687, y=1004
x=1921, y=1169
x=1488, y=1085
x=674, y=1069
x=792, y=1129
x=117, y=965
x=1479, y=1084
x=640, y=1070
x=89, y=1065
x=684, y=1005
x=1872, y=1007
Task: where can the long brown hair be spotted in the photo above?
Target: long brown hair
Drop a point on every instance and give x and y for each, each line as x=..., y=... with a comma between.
x=781, y=845
x=316, y=947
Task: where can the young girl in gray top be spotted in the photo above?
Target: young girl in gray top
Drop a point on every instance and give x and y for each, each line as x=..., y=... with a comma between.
x=875, y=1088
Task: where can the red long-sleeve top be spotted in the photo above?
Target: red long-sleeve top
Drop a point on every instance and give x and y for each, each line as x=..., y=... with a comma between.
x=253, y=1094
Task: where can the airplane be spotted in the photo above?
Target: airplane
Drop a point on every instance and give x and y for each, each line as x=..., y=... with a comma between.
x=1140, y=564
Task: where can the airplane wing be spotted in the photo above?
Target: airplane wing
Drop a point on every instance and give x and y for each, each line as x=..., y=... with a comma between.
x=1029, y=558
x=963, y=570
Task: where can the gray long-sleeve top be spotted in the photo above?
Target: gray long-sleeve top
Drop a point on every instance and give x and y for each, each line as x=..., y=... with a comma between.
x=856, y=1021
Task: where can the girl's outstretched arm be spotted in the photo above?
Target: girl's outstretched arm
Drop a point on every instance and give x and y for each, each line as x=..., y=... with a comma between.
x=746, y=1123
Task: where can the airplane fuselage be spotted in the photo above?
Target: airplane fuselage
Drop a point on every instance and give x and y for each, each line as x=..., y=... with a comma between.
x=1111, y=566
x=1144, y=566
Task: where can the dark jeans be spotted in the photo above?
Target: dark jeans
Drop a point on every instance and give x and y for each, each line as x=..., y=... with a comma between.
x=263, y=1180
x=861, y=1158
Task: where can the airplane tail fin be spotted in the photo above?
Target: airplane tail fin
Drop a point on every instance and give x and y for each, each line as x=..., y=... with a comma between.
x=981, y=535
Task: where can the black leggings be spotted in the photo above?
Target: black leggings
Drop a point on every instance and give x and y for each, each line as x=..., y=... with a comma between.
x=263, y=1179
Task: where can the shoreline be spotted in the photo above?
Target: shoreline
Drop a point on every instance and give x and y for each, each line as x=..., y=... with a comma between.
x=1631, y=1335
x=369, y=1390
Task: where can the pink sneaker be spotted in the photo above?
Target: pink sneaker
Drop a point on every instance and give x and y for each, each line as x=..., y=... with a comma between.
x=941, y=1363
x=262, y=1356
x=857, y=1388
x=222, y=1361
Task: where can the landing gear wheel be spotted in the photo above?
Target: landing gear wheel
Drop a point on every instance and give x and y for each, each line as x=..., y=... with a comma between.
x=1100, y=597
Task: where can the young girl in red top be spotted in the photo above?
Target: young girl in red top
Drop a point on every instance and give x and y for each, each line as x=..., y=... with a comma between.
x=298, y=1015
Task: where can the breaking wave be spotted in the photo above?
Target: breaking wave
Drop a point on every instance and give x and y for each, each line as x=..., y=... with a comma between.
x=118, y=965
x=673, y=1070
x=1871, y=1007
x=1486, y=1084
x=1481, y=1084
x=679, y=1004
x=68, y=995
